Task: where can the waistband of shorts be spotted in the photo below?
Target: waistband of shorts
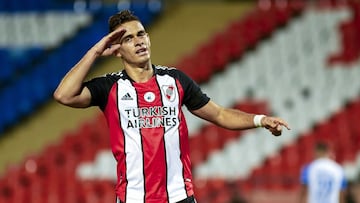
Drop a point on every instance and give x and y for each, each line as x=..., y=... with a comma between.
x=190, y=199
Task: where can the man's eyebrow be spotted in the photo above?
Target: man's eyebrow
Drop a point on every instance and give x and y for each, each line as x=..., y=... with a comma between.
x=124, y=37
x=130, y=35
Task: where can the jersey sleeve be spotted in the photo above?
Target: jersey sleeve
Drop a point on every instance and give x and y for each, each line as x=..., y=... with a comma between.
x=304, y=176
x=343, y=181
x=99, y=88
x=194, y=98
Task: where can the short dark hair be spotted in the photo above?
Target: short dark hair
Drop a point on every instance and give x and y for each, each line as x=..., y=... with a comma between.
x=121, y=18
x=322, y=146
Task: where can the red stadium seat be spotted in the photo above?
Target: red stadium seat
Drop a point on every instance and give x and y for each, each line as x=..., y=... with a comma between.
x=256, y=180
x=254, y=106
x=200, y=189
x=353, y=114
x=197, y=154
x=212, y=140
x=220, y=44
x=350, y=31
x=96, y=191
x=273, y=171
x=187, y=65
x=342, y=130
x=236, y=42
x=306, y=143
x=324, y=132
x=249, y=29
x=291, y=165
x=267, y=21
x=202, y=65
x=282, y=15
x=228, y=135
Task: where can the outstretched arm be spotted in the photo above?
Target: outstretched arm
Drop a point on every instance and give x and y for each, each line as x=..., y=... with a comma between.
x=70, y=91
x=234, y=119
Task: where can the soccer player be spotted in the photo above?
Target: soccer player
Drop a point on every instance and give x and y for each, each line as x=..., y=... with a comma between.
x=142, y=105
x=323, y=180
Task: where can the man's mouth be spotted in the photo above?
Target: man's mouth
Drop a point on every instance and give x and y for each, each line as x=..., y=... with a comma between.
x=141, y=50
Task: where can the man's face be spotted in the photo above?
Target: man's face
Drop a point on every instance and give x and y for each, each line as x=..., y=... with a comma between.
x=135, y=43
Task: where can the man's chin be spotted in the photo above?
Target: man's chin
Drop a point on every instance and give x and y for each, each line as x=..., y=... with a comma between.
x=144, y=59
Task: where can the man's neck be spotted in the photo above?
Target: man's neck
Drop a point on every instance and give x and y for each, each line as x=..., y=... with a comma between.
x=140, y=74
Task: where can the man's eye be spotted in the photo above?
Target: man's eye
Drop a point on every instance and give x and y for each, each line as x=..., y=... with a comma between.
x=128, y=39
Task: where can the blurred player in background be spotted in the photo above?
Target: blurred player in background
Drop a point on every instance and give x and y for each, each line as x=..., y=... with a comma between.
x=143, y=107
x=323, y=180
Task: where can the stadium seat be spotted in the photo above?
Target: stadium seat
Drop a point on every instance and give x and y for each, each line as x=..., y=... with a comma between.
x=291, y=165
x=250, y=30
x=236, y=43
x=9, y=110
x=256, y=179
x=306, y=142
x=202, y=68
x=353, y=114
x=267, y=20
x=273, y=171
x=228, y=136
x=197, y=154
x=220, y=51
x=212, y=140
x=40, y=92
x=6, y=69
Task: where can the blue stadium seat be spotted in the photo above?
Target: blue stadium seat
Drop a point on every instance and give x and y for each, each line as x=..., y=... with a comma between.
x=6, y=68
x=39, y=87
x=8, y=110
x=22, y=89
x=28, y=76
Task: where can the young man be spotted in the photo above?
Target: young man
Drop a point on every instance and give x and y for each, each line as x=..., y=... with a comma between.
x=323, y=180
x=142, y=105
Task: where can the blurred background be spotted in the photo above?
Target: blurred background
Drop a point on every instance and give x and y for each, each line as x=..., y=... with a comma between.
x=295, y=59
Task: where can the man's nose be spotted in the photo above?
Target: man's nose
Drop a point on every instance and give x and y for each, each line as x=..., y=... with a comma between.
x=138, y=41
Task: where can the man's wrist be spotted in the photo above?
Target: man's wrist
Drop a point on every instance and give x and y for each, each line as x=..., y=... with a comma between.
x=257, y=120
x=95, y=52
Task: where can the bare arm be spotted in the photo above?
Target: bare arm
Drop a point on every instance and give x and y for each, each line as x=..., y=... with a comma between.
x=303, y=194
x=343, y=196
x=70, y=91
x=234, y=119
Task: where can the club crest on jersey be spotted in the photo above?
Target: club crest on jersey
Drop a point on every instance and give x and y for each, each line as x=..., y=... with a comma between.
x=149, y=96
x=169, y=92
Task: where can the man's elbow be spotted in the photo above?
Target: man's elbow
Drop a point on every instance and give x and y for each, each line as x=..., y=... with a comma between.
x=61, y=98
x=77, y=101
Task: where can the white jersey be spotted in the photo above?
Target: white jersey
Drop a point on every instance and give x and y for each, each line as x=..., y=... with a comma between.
x=324, y=179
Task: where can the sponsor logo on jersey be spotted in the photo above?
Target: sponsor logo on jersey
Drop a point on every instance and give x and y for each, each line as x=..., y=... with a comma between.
x=149, y=96
x=169, y=92
x=127, y=96
x=152, y=117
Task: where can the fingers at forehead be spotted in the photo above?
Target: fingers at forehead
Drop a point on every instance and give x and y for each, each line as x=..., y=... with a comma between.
x=116, y=35
x=115, y=46
x=119, y=32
